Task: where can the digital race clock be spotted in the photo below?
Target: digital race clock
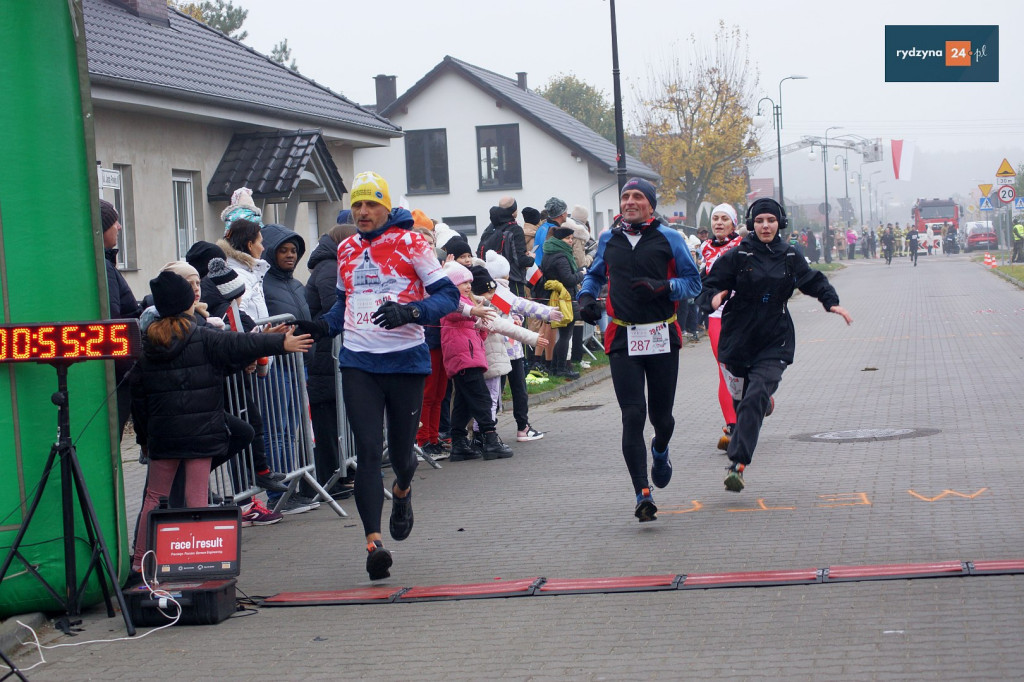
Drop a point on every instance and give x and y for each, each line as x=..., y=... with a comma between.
x=69, y=341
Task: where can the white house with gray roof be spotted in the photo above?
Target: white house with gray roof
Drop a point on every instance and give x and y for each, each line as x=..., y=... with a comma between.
x=184, y=115
x=473, y=136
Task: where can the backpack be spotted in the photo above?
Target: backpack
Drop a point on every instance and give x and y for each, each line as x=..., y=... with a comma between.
x=497, y=240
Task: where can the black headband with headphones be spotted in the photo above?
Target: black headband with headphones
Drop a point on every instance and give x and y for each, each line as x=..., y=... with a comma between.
x=783, y=218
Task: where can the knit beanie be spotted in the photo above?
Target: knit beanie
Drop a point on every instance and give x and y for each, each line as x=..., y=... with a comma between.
x=728, y=210
x=199, y=255
x=241, y=207
x=182, y=269
x=561, y=232
x=227, y=281
x=482, y=280
x=172, y=295
x=579, y=214
x=443, y=234
x=108, y=214
x=765, y=205
x=555, y=207
x=497, y=265
x=344, y=217
x=531, y=215
x=457, y=247
x=368, y=186
x=420, y=219
x=457, y=273
x=645, y=187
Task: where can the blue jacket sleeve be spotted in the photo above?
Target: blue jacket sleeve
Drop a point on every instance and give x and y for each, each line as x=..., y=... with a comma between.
x=597, y=274
x=443, y=299
x=686, y=283
x=336, y=315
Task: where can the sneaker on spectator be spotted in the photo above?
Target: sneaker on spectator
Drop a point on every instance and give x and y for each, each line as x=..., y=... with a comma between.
x=584, y=364
x=340, y=491
x=272, y=482
x=528, y=434
x=255, y=514
x=293, y=506
x=302, y=499
x=435, y=450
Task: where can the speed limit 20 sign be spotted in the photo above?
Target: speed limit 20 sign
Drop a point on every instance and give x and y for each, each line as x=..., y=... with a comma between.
x=1006, y=194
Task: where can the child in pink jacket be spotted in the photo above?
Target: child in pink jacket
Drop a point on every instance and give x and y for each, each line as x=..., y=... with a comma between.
x=465, y=361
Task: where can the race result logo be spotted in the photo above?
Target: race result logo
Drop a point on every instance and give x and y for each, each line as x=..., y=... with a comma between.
x=938, y=54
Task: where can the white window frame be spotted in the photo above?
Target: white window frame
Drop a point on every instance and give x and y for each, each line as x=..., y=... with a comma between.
x=183, y=196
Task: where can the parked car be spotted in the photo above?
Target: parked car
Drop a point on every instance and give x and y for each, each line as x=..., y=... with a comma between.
x=980, y=235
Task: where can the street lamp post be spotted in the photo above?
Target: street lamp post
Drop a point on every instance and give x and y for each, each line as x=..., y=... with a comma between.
x=846, y=173
x=860, y=192
x=620, y=134
x=878, y=203
x=824, y=165
x=871, y=205
x=777, y=117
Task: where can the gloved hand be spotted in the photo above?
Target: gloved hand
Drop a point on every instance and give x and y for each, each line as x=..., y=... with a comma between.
x=391, y=315
x=318, y=329
x=648, y=289
x=590, y=309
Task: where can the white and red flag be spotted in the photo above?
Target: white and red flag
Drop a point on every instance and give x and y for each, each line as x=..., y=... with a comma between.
x=902, y=159
x=533, y=275
x=502, y=299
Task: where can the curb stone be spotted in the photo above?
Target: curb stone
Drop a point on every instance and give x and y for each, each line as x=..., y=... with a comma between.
x=11, y=634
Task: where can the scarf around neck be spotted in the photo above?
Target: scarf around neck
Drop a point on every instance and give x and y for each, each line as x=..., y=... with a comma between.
x=558, y=246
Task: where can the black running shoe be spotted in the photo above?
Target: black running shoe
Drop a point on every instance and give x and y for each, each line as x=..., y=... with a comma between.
x=734, y=477
x=645, y=509
x=378, y=561
x=401, y=515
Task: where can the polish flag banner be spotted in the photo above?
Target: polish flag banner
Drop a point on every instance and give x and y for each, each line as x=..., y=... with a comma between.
x=752, y=194
x=902, y=159
x=234, y=317
x=533, y=275
x=502, y=299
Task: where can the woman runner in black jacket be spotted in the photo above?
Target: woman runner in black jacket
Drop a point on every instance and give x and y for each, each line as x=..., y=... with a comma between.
x=755, y=280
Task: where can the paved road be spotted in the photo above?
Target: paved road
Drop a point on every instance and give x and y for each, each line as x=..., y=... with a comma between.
x=935, y=348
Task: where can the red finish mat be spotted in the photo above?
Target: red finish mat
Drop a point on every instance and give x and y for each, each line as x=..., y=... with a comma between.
x=636, y=583
x=997, y=567
x=805, y=576
x=363, y=595
x=895, y=571
x=498, y=588
x=557, y=586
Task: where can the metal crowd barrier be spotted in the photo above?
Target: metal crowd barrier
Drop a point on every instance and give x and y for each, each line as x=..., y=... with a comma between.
x=283, y=405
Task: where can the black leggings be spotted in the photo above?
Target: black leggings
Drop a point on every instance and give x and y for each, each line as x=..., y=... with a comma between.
x=629, y=374
x=470, y=399
x=561, y=350
x=368, y=398
x=761, y=381
x=520, y=398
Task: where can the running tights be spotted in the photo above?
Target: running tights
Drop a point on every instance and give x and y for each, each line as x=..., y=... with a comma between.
x=629, y=374
x=368, y=399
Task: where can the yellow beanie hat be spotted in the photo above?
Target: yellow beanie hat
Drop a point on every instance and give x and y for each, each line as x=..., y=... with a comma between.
x=368, y=186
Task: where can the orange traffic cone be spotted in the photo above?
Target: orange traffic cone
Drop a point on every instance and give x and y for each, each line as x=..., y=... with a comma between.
x=990, y=262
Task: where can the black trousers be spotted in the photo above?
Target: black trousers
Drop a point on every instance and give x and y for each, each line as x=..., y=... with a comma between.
x=520, y=398
x=629, y=376
x=576, y=354
x=561, y=350
x=761, y=381
x=470, y=400
x=369, y=399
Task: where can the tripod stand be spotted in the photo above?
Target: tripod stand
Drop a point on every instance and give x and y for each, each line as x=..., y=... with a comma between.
x=71, y=475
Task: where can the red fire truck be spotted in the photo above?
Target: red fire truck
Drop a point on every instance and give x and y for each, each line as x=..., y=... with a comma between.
x=933, y=215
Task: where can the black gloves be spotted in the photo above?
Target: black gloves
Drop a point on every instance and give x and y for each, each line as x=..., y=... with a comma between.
x=317, y=329
x=590, y=309
x=390, y=315
x=648, y=289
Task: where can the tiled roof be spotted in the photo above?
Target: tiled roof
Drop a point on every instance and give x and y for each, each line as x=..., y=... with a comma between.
x=270, y=164
x=191, y=61
x=543, y=113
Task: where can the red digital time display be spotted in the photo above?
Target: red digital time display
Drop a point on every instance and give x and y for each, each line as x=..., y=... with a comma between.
x=69, y=341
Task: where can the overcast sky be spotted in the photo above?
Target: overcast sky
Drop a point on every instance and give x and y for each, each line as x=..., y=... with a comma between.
x=838, y=46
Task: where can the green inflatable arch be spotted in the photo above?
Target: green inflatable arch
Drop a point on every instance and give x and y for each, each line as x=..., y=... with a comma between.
x=51, y=269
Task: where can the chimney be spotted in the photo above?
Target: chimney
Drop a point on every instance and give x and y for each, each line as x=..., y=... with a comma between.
x=153, y=11
x=521, y=76
x=387, y=91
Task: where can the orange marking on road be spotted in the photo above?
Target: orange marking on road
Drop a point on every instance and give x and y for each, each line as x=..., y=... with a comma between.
x=761, y=506
x=946, y=493
x=856, y=500
x=696, y=506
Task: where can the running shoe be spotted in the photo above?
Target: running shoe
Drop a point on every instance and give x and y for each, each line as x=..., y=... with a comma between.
x=528, y=434
x=645, y=509
x=293, y=506
x=378, y=561
x=272, y=482
x=734, y=479
x=401, y=515
x=313, y=502
x=723, y=442
x=661, y=467
x=255, y=514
